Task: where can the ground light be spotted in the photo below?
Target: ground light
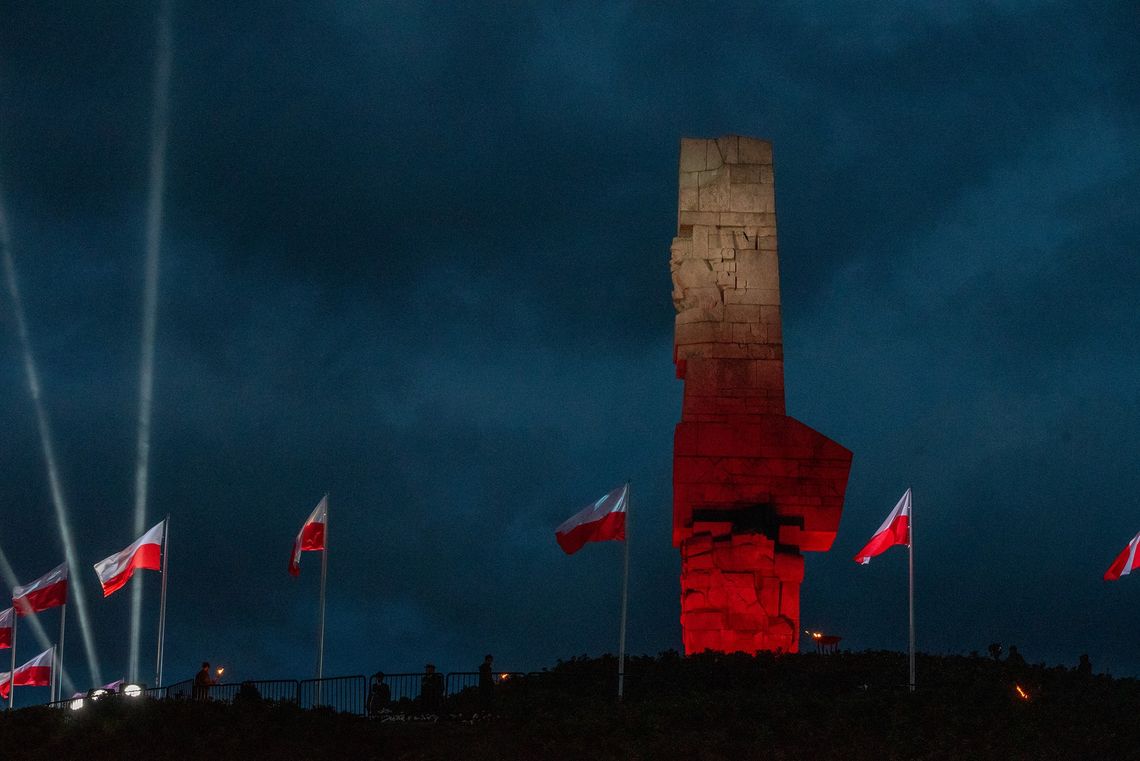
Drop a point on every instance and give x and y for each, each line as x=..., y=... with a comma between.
x=79, y=700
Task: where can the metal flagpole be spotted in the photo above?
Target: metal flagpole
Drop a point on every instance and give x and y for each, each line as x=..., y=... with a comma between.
x=12, y=669
x=324, y=577
x=59, y=654
x=910, y=565
x=162, y=604
x=624, y=599
x=54, y=659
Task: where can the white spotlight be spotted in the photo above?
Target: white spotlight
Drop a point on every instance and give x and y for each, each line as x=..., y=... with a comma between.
x=46, y=442
x=159, y=128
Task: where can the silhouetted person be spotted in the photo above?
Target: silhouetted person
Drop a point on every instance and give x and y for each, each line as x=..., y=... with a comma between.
x=995, y=650
x=247, y=694
x=203, y=681
x=431, y=689
x=487, y=681
x=379, y=695
x=1084, y=668
x=1014, y=659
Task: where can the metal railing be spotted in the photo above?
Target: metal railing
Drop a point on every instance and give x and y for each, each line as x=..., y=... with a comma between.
x=404, y=688
x=76, y=702
x=458, y=681
x=409, y=695
x=343, y=694
x=253, y=691
x=183, y=690
x=467, y=695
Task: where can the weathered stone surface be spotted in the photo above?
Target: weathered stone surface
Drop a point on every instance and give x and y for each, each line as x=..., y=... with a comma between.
x=688, y=199
x=714, y=197
x=755, y=151
x=752, y=488
x=758, y=270
x=697, y=218
x=693, y=154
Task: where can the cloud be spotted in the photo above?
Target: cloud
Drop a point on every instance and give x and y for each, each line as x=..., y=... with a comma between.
x=418, y=258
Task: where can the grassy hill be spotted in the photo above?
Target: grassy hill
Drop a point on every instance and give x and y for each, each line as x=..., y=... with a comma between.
x=845, y=706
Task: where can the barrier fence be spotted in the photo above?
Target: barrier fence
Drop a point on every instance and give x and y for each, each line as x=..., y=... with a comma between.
x=466, y=695
x=343, y=694
x=405, y=695
x=179, y=690
x=403, y=689
x=268, y=690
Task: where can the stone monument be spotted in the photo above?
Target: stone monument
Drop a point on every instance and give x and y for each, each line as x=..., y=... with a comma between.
x=752, y=488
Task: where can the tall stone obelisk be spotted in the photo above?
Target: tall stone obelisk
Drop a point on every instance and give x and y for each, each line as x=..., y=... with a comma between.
x=752, y=488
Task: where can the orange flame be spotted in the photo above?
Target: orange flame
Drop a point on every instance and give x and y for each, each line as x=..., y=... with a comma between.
x=1020, y=692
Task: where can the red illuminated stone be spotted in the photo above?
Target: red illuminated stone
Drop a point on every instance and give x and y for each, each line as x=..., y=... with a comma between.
x=752, y=488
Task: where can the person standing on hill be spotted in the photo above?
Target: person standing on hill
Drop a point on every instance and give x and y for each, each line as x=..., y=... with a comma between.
x=203, y=681
x=379, y=696
x=487, y=682
x=431, y=689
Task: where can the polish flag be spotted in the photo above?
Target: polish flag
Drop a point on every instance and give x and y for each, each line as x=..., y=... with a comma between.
x=48, y=591
x=895, y=530
x=1125, y=562
x=599, y=522
x=312, y=536
x=34, y=673
x=144, y=553
x=6, y=617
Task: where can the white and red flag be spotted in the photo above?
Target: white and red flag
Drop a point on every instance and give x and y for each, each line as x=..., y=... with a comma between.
x=312, y=536
x=895, y=530
x=602, y=521
x=6, y=617
x=1125, y=562
x=48, y=591
x=34, y=673
x=144, y=553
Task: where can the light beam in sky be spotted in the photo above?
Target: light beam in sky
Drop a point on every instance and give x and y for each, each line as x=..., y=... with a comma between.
x=32, y=374
x=159, y=129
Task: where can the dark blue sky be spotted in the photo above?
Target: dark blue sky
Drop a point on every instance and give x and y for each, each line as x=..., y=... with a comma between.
x=417, y=256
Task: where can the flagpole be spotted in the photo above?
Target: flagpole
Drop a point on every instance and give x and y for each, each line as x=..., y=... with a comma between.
x=324, y=578
x=910, y=568
x=59, y=655
x=12, y=670
x=624, y=598
x=54, y=659
x=162, y=604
